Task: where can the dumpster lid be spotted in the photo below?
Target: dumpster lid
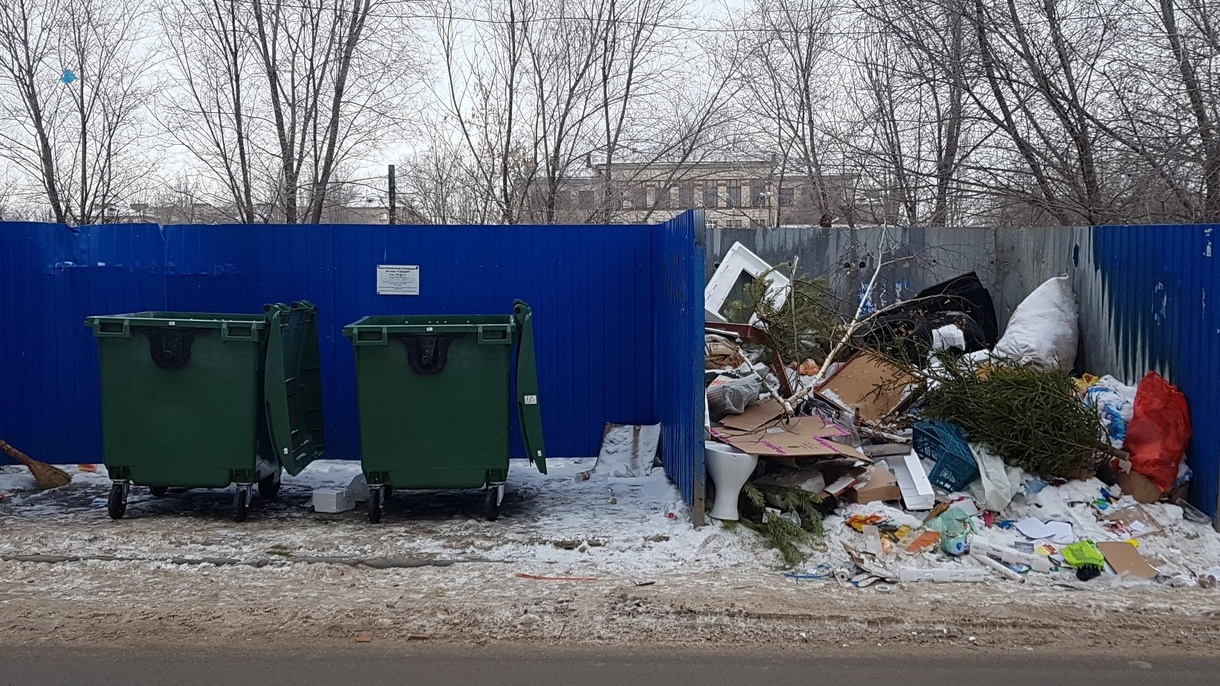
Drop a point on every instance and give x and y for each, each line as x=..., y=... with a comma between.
x=195, y=320
x=292, y=383
x=529, y=413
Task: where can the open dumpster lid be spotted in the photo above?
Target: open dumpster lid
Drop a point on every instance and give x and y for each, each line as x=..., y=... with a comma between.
x=292, y=383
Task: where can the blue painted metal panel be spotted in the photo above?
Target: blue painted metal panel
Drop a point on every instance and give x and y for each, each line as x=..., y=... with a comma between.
x=590, y=288
x=51, y=278
x=587, y=286
x=678, y=274
x=1158, y=280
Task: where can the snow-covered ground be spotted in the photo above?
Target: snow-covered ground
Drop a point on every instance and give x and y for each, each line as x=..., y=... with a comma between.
x=553, y=523
x=179, y=569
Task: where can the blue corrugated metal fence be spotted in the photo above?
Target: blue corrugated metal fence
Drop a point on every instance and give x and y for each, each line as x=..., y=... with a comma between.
x=593, y=290
x=678, y=278
x=1156, y=284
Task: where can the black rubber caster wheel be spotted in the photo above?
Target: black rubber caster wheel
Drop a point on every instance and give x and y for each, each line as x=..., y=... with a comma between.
x=158, y=491
x=491, y=504
x=375, y=496
x=116, y=504
x=241, y=504
x=269, y=486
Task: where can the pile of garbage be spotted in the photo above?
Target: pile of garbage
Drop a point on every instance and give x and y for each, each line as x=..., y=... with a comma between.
x=929, y=447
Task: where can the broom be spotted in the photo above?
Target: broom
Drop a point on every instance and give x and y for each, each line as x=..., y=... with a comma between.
x=46, y=475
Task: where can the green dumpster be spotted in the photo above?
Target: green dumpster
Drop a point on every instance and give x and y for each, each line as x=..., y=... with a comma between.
x=435, y=398
x=193, y=400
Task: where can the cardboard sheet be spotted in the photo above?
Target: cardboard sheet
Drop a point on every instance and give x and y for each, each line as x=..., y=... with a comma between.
x=755, y=416
x=877, y=484
x=1126, y=559
x=800, y=437
x=867, y=382
x=1135, y=520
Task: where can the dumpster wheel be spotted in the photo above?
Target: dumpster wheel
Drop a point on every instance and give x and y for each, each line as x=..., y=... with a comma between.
x=241, y=503
x=491, y=502
x=269, y=486
x=158, y=491
x=116, y=504
x=375, y=496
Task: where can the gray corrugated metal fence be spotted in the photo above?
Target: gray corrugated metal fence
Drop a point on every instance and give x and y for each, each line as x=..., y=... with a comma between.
x=1142, y=292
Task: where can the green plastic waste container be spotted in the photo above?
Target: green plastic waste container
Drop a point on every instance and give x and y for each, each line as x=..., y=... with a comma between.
x=435, y=400
x=193, y=400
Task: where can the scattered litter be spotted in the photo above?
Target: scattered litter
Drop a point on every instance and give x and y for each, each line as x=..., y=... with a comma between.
x=981, y=546
x=1056, y=532
x=1019, y=465
x=915, y=543
x=955, y=528
x=1086, y=558
x=1132, y=522
x=988, y=562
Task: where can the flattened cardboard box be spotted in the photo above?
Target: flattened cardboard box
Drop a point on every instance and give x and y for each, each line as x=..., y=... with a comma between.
x=799, y=437
x=869, y=383
x=755, y=416
x=877, y=484
x=1126, y=559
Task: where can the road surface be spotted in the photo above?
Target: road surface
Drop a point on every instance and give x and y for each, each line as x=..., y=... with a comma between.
x=531, y=665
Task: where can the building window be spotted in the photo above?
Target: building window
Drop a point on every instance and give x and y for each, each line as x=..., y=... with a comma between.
x=734, y=193
x=785, y=197
x=586, y=200
x=758, y=193
x=732, y=224
x=665, y=198
x=639, y=197
x=686, y=195
x=710, y=197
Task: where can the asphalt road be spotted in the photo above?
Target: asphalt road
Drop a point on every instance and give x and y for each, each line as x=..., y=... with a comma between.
x=539, y=666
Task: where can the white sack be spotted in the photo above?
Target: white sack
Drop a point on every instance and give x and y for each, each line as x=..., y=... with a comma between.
x=1044, y=330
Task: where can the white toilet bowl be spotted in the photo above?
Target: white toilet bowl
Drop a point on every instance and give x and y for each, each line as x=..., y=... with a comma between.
x=729, y=469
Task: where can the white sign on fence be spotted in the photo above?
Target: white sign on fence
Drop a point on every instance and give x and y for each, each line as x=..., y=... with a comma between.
x=398, y=279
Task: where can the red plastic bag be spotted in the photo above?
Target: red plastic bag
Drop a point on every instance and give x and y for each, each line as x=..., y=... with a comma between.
x=1159, y=431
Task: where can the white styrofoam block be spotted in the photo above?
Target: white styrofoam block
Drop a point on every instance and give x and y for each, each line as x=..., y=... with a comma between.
x=333, y=500
x=917, y=493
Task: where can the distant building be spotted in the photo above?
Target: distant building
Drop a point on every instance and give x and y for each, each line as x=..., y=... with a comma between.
x=369, y=212
x=750, y=194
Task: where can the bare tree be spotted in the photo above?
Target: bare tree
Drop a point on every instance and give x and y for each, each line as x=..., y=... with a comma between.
x=74, y=76
x=1191, y=32
x=787, y=65
x=914, y=131
x=274, y=96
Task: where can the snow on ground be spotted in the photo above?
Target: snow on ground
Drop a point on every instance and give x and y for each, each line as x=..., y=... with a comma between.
x=455, y=575
x=634, y=526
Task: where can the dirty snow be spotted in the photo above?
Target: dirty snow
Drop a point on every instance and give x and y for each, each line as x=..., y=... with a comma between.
x=455, y=577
